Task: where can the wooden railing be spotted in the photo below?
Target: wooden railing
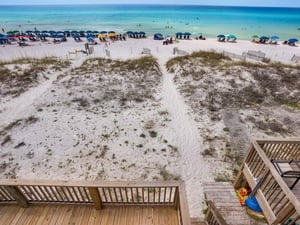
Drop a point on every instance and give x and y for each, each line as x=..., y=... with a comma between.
x=213, y=216
x=277, y=201
x=28, y=192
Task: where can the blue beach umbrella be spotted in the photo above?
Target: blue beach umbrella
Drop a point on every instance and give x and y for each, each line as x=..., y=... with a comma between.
x=187, y=33
x=129, y=32
x=95, y=32
x=231, y=36
x=178, y=34
x=89, y=31
x=264, y=38
x=274, y=37
x=60, y=36
x=90, y=38
x=293, y=40
x=142, y=32
x=44, y=31
x=51, y=31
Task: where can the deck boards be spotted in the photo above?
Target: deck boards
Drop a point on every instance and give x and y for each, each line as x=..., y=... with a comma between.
x=226, y=201
x=75, y=215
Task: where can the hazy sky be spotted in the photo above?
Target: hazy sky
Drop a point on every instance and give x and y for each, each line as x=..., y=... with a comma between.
x=275, y=3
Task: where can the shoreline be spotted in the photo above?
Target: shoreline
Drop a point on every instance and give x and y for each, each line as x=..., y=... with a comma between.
x=132, y=48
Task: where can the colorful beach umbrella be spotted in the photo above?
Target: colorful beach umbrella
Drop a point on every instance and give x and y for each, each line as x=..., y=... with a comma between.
x=101, y=36
x=293, y=40
x=112, y=35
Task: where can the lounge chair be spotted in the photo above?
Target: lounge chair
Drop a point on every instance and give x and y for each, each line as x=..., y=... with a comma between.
x=288, y=169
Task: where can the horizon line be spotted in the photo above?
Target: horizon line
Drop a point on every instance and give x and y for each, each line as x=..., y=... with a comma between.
x=152, y=4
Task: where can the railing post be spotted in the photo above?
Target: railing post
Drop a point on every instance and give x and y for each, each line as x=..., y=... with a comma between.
x=17, y=195
x=95, y=197
x=176, y=198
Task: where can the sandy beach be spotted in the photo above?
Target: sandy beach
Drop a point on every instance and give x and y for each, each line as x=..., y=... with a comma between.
x=142, y=120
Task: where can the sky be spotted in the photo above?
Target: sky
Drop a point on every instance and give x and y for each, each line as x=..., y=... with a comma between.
x=272, y=3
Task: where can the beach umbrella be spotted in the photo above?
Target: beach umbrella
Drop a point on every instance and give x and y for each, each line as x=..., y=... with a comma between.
x=59, y=36
x=76, y=36
x=293, y=40
x=179, y=33
x=36, y=31
x=103, y=32
x=112, y=35
x=10, y=32
x=95, y=32
x=15, y=31
x=89, y=31
x=101, y=36
x=221, y=36
x=111, y=32
x=142, y=32
x=187, y=33
x=274, y=37
x=44, y=31
x=129, y=32
x=255, y=36
x=74, y=31
x=264, y=38
x=59, y=32
x=51, y=31
x=28, y=31
x=231, y=36
x=90, y=38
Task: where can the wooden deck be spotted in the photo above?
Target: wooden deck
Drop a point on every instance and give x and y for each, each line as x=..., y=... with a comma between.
x=226, y=202
x=77, y=214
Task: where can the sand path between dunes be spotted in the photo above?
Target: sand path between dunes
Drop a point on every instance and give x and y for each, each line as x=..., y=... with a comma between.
x=16, y=107
x=195, y=170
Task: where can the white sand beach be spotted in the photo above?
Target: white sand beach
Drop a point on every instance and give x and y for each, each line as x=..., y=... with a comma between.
x=67, y=127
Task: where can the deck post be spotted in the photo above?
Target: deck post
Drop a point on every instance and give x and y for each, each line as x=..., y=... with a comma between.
x=95, y=197
x=176, y=198
x=17, y=195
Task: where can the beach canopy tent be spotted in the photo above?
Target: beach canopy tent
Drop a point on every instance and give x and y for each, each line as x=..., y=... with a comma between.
x=293, y=40
x=158, y=36
x=179, y=34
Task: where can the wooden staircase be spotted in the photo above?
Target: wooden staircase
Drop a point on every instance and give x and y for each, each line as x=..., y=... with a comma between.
x=223, y=195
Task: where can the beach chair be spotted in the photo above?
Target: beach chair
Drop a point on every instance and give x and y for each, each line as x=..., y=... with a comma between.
x=288, y=169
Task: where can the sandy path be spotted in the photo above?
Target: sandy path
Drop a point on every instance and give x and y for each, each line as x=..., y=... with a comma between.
x=195, y=170
x=25, y=101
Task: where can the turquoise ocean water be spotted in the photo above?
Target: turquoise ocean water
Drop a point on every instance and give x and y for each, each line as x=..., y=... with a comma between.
x=210, y=20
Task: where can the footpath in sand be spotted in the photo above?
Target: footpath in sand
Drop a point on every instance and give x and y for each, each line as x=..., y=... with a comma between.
x=195, y=170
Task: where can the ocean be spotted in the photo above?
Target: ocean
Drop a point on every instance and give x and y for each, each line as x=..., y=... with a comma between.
x=244, y=22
